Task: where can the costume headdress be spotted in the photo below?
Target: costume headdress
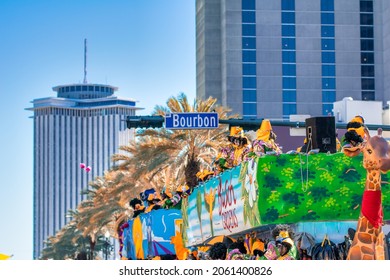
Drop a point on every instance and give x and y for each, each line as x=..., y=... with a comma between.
x=355, y=130
x=258, y=245
x=235, y=133
x=284, y=237
x=204, y=174
x=264, y=132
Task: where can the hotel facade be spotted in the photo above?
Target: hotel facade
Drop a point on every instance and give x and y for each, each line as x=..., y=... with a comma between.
x=85, y=123
x=273, y=59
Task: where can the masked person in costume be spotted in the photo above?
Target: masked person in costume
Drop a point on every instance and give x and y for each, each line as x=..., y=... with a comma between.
x=283, y=247
x=218, y=251
x=226, y=157
x=284, y=244
x=265, y=140
x=303, y=149
x=241, y=145
x=355, y=132
x=237, y=251
x=137, y=206
x=166, y=198
x=152, y=199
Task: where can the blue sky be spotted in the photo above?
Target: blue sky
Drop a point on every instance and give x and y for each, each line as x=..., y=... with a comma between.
x=146, y=48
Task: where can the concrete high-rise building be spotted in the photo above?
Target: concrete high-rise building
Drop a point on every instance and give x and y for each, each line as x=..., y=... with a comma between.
x=272, y=59
x=86, y=124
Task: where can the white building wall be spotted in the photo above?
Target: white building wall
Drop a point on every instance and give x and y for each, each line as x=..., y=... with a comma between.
x=347, y=108
x=61, y=143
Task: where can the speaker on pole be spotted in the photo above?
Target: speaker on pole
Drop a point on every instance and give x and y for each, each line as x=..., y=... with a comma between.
x=321, y=134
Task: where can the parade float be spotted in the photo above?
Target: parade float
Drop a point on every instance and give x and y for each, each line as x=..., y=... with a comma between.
x=298, y=188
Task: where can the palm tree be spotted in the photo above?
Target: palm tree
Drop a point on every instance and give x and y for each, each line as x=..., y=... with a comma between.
x=158, y=157
x=179, y=153
x=69, y=243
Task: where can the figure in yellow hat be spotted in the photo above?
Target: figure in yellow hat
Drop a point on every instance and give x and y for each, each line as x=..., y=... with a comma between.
x=232, y=154
x=303, y=149
x=265, y=140
x=355, y=132
x=283, y=246
x=240, y=143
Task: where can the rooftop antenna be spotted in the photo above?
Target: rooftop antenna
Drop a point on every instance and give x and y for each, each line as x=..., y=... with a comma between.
x=85, y=61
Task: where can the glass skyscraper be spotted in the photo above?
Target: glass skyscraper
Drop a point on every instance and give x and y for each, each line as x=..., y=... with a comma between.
x=271, y=59
x=86, y=124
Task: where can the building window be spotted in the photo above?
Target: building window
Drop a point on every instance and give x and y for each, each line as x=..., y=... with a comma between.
x=289, y=109
x=328, y=57
x=288, y=17
x=366, y=6
x=328, y=70
x=248, y=17
x=248, y=43
x=368, y=70
x=288, y=56
x=368, y=95
x=368, y=84
x=328, y=83
x=367, y=31
x=249, y=95
x=328, y=96
x=327, y=18
x=289, y=96
x=366, y=45
x=327, y=5
x=327, y=31
x=248, y=30
x=366, y=19
x=249, y=69
x=327, y=44
x=367, y=58
x=289, y=83
x=248, y=4
x=288, y=43
x=327, y=109
x=289, y=69
x=250, y=109
x=288, y=5
x=288, y=30
x=248, y=56
x=249, y=82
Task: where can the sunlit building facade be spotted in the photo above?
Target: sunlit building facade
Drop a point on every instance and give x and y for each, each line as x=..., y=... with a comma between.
x=272, y=59
x=84, y=124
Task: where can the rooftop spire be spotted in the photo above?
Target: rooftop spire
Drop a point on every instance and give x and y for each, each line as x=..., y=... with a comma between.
x=85, y=61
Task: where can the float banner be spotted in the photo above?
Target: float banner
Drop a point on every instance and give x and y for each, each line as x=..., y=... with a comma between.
x=279, y=189
x=150, y=234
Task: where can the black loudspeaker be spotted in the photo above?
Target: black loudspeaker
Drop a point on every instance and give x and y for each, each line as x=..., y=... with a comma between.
x=321, y=134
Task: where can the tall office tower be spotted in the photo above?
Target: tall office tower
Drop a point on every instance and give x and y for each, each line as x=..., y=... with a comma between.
x=85, y=123
x=271, y=59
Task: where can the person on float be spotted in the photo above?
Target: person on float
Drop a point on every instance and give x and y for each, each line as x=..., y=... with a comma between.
x=265, y=142
x=279, y=233
x=227, y=153
x=284, y=245
x=355, y=134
